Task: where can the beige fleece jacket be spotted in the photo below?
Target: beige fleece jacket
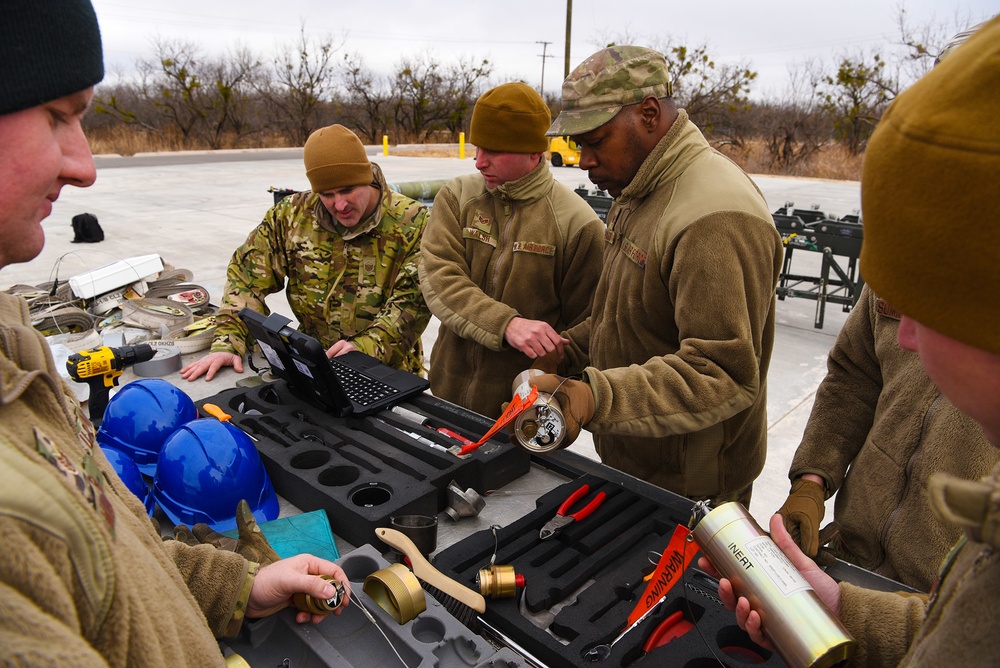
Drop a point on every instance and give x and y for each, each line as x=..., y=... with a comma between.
x=879, y=428
x=679, y=341
x=529, y=248
x=85, y=579
x=958, y=627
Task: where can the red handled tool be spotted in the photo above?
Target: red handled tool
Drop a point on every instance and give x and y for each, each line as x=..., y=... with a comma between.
x=564, y=518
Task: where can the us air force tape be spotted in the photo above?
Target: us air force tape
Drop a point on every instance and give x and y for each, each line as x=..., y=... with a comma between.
x=166, y=360
x=192, y=338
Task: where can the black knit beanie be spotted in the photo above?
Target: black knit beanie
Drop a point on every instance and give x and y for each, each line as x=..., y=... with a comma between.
x=48, y=49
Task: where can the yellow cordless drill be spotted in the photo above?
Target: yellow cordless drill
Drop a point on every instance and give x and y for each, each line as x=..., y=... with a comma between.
x=100, y=368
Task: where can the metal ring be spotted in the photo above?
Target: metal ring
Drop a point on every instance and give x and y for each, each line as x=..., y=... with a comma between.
x=397, y=591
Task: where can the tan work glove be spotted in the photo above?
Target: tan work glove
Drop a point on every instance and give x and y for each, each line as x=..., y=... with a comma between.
x=803, y=511
x=549, y=362
x=252, y=544
x=576, y=400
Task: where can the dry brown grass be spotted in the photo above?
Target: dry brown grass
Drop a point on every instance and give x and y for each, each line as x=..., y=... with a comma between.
x=832, y=162
x=126, y=140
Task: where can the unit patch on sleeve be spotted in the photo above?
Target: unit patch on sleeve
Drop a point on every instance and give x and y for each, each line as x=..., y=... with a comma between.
x=534, y=247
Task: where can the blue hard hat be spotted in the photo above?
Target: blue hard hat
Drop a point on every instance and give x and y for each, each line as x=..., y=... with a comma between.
x=140, y=417
x=205, y=468
x=130, y=475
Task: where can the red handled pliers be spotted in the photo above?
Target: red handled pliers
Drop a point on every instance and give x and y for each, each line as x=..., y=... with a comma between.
x=563, y=518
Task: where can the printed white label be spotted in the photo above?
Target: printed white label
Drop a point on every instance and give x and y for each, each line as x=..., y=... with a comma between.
x=773, y=562
x=272, y=357
x=303, y=369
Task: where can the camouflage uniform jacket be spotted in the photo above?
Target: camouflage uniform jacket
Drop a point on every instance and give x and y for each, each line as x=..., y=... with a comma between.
x=86, y=580
x=680, y=337
x=958, y=626
x=879, y=428
x=529, y=248
x=358, y=284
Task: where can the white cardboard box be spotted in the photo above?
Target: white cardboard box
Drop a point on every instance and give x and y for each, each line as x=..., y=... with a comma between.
x=115, y=275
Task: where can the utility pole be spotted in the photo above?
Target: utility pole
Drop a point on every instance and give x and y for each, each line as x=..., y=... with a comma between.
x=545, y=46
x=569, y=30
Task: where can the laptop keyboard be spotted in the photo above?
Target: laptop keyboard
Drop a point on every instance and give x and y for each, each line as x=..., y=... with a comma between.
x=359, y=388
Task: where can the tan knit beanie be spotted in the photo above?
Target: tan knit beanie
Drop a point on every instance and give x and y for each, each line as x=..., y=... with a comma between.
x=930, y=192
x=511, y=118
x=335, y=158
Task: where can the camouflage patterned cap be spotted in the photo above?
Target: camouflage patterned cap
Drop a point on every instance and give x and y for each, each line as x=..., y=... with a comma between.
x=605, y=82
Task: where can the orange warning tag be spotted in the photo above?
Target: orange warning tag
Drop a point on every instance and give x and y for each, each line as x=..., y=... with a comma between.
x=674, y=561
x=516, y=406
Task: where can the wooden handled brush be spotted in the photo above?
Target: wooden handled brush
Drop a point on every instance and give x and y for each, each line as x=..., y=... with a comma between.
x=430, y=575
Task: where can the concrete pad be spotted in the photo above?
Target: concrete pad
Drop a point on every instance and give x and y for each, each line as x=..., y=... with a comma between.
x=195, y=208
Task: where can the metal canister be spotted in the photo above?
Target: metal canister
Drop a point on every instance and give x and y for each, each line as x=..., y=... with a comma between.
x=542, y=427
x=499, y=581
x=801, y=628
x=318, y=606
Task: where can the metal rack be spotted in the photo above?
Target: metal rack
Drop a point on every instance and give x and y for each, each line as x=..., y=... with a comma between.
x=813, y=230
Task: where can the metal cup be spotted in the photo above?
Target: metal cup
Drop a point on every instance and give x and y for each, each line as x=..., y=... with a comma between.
x=421, y=529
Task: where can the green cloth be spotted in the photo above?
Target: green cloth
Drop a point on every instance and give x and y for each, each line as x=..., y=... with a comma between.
x=306, y=533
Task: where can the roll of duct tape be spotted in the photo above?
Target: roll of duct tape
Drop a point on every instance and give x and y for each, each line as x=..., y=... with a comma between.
x=166, y=360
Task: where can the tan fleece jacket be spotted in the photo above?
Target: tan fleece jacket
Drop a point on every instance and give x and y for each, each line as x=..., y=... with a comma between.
x=84, y=579
x=680, y=338
x=958, y=627
x=879, y=428
x=529, y=248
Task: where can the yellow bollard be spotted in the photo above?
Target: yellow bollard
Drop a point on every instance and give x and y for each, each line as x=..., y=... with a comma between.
x=461, y=146
x=385, y=144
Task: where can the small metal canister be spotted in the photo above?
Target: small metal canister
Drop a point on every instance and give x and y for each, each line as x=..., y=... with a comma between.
x=317, y=606
x=542, y=427
x=792, y=616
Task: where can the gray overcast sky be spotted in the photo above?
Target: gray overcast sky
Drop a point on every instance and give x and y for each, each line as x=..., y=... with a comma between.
x=770, y=34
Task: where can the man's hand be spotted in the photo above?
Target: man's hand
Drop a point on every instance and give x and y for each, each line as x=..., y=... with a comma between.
x=276, y=584
x=802, y=513
x=748, y=619
x=534, y=338
x=576, y=400
x=339, y=348
x=210, y=364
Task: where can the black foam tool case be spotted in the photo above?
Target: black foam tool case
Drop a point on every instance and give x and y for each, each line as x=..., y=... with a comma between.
x=433, y=638
x=363, y=471
x=582, y=584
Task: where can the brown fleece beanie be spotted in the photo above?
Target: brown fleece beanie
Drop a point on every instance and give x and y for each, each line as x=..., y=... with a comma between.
x=335, y=158
x=930, y=192
x=511, y=118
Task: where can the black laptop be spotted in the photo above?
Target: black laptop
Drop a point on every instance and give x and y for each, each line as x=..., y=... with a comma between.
x=349, y=384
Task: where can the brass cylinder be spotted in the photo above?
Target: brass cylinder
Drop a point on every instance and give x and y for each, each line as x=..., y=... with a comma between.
x=497, y=581
x=318, y=606
x=801, y=628
x=542, y=427
x=397, y=591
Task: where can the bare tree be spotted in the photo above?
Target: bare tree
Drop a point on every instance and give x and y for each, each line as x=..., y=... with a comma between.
x=174, y=84
x=418, y=108
x=368, y=103
x=463, y=83
x=856, y=95
x=303, y=77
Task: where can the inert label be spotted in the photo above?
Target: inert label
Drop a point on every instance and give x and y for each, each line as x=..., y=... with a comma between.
x=773, y=562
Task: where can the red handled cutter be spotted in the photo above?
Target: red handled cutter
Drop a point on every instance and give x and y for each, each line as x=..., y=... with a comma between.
x=564, y=518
